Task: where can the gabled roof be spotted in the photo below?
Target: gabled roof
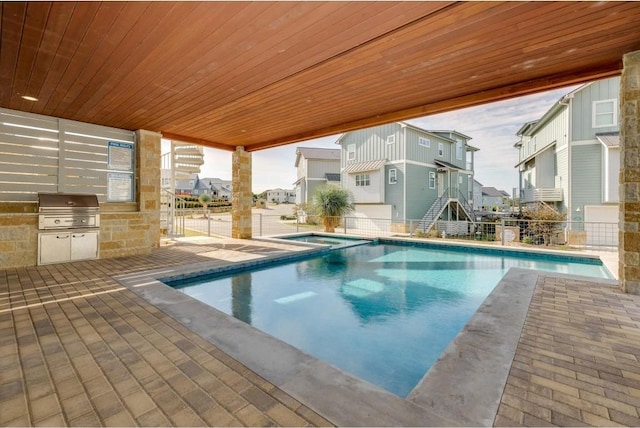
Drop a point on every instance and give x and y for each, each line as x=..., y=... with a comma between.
x=316, y=153
x=447, y=165
x=492, y=191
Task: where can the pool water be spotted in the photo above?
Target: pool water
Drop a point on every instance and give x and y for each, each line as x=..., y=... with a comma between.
x=327, y=240
x=384, y=313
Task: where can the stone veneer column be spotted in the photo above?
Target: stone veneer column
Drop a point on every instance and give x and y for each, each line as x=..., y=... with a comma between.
x=629, y=245
x=241, y=194
x=148, y=165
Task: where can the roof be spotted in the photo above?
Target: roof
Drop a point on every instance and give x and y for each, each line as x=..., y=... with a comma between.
x=317, y=153
x=374, y=165
x=302, y=69
x=611, y=140
x=492, y=191
x=447, y=165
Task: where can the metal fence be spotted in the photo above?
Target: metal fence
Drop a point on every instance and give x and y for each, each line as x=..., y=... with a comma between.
x=506, y=231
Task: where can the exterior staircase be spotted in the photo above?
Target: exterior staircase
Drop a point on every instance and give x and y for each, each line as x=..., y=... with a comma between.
x=453, y=198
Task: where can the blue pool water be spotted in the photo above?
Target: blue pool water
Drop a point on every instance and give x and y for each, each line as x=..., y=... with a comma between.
x=332, y=241
x=384, y=313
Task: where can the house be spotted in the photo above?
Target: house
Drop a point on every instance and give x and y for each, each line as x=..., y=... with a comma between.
x=217, y=188
x=401, y=172
x=315, y=167
x=279, y=196
x=476, y=202
x=494, y=199
x=570, y=157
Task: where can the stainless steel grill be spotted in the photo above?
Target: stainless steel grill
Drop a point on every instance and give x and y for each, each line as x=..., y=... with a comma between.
x=68, y=211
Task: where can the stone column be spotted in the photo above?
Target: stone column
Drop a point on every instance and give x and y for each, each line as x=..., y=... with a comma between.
x=242, y=195
x=629, y=245
x=148, y=165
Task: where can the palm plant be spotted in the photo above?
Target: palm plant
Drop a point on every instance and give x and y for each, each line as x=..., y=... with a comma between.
x=330, y=203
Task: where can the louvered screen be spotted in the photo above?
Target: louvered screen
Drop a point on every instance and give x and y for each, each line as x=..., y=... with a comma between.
x=45, y=154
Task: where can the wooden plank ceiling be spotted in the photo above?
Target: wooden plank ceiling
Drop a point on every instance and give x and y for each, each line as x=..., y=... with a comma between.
x=263, y=74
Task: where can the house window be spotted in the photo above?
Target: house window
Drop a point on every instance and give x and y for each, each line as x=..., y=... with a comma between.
x=351, y=152
x=391, y=139
x=424, y=142
x=459, y=150
x=459, y=179
x=604, y=113
x=393, y=176
x=441, y=149
x=432, y=180
x=362, y=180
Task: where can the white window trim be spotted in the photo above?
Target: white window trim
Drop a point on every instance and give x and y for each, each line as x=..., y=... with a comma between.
x=393, y=176
x=424, y=142
x=391, y=139
x=363, y=178
x=459, y=150
x=432, y=179
x=615, y=113
x=441, y=149
x=351, y=152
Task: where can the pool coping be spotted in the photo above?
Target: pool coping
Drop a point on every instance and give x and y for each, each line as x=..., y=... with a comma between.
x=462, y=388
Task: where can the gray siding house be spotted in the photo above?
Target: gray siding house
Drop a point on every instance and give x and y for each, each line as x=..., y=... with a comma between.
x=570, y=157
x=401, y=172
x=315, y=167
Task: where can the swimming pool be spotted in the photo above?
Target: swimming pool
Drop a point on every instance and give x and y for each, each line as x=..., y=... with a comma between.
x=381, y=312
x=332, y=241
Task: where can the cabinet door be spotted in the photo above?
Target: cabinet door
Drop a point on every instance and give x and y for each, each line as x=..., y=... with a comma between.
x=84, y=245
x=54, y=247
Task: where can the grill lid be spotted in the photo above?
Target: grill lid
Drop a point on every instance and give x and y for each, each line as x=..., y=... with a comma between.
x=67, y=201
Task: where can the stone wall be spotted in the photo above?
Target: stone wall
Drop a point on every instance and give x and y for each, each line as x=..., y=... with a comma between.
x=629, y=244
x=126, y=229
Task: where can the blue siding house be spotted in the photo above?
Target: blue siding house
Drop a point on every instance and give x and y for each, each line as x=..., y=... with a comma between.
x=570, y=157
x=401, y=172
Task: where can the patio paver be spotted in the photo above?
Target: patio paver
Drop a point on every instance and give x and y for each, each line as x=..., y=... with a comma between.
x=576, y=363
x=79, y=348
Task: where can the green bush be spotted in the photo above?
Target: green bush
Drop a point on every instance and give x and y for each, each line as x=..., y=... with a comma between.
x=527, y=240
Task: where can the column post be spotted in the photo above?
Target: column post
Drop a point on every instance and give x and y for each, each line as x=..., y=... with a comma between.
x=242, y=197
x=629, y=233
x=148, y=164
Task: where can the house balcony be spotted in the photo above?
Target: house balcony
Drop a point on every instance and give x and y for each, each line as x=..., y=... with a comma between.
x=548, y=194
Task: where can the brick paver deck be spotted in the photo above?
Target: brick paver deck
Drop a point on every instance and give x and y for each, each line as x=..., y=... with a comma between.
x=76, y=348
x=577, y=359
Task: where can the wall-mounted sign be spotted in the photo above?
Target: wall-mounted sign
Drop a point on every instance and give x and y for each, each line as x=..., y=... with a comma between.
x=120, y=156
x=119, y=187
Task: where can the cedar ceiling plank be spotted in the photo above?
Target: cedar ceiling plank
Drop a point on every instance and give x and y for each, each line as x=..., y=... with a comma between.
x=200, y=98
x=187, y=68
x=122, y=37
x=166, y=62
x=271, y=111
x=67, y=49
x=30, y=41
x=199, y=141
x=82, y=61
x=127, y=64
x=12, y=17
x=55, y=26
x=239, y=78
x=338, y=75
x=446, y=105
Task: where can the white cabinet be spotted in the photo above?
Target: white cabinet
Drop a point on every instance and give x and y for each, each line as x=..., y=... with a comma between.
x=66, y=246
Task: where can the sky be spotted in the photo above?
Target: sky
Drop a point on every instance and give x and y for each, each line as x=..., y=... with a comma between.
x=492, y=128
